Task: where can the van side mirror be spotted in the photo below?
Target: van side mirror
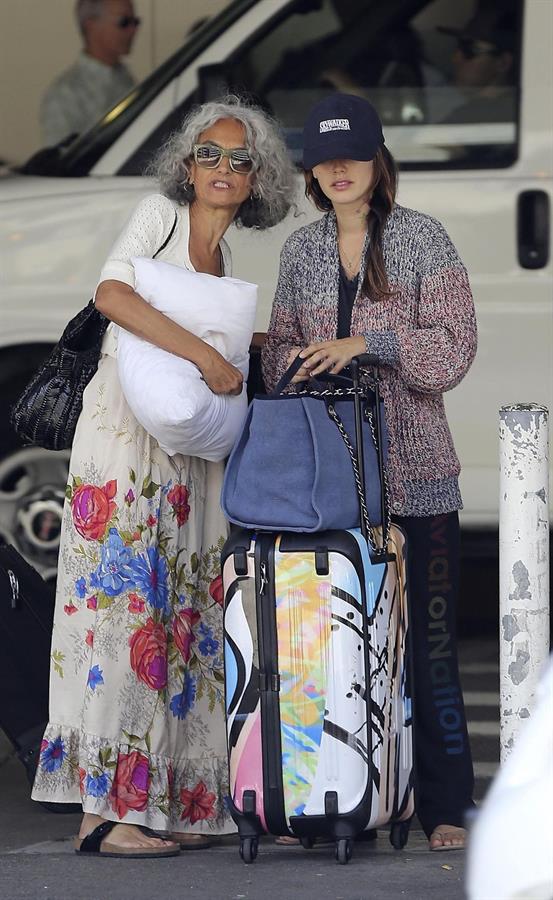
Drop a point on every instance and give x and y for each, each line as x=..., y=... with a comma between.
x=213, y=82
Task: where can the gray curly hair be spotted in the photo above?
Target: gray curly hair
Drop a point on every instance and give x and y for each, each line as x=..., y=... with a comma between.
x=273, y=171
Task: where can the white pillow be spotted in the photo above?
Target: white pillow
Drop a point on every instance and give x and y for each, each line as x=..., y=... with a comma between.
x=166, y=393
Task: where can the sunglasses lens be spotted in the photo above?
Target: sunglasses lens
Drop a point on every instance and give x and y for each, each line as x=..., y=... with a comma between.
x=207, y=156
x=128, y=22
x=241, y=162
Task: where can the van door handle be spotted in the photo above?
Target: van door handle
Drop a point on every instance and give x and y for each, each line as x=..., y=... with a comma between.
x=533, y=229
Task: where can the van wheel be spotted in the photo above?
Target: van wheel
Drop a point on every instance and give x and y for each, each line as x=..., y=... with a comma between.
x=32, y=491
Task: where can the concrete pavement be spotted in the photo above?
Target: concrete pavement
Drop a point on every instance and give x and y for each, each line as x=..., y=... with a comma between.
x=37, y=859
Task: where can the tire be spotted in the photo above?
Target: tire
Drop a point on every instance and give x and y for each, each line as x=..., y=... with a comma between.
x=32, y=480
x=344, y=851
x=399, y=833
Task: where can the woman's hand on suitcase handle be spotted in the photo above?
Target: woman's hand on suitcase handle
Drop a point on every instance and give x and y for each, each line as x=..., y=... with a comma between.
x=330, y=356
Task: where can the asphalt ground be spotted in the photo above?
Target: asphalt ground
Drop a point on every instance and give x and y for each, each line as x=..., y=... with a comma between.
x=53, y=870
x=37, y=858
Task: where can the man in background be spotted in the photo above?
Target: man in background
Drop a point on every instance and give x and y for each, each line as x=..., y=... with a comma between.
x=484, y=64
x=98, y=78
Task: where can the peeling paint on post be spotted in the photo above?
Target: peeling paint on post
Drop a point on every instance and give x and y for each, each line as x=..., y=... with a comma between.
x=523, y=562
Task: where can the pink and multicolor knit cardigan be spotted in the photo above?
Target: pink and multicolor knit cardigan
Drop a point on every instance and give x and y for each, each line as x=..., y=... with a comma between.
x=424, y=335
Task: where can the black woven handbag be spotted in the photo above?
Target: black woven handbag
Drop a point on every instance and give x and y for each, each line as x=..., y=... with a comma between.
x=46, y=414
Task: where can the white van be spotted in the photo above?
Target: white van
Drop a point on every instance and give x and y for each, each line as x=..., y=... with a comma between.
x=477, y=158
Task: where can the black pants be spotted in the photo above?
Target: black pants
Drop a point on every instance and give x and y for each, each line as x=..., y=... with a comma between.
x=443, y=762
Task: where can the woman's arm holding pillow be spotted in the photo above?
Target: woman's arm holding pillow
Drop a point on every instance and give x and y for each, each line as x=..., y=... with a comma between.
x=122, y=305
x=145, y=232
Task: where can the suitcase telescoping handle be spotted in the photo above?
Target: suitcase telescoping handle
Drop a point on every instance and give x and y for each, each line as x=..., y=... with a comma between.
x=365, y=361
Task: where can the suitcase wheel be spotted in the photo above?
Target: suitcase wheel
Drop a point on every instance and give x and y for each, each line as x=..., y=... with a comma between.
x=399, y=832
x=307, y=842
x=344, y=850
x=248, y=849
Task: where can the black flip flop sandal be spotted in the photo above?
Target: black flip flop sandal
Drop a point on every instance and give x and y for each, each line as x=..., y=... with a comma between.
x=91, y=845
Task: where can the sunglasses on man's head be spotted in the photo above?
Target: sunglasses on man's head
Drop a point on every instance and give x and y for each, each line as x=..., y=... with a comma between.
x=209, y=156
x=128, y=22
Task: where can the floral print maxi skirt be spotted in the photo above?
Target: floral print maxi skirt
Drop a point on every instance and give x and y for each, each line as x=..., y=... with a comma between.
x=136, y=727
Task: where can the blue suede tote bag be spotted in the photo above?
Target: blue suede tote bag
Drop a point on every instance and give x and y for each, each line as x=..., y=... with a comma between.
x=291, y=469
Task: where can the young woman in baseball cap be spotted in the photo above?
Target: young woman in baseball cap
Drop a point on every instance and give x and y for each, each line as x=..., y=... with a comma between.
x=373, y=276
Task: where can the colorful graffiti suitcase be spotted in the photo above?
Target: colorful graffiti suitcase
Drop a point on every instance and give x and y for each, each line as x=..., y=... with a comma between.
x=317, y=695
x=319, y=716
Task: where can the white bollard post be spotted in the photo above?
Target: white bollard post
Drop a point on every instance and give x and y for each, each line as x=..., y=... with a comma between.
x=523, y=562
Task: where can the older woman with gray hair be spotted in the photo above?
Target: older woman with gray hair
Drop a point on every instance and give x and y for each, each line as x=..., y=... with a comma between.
x=137, y=731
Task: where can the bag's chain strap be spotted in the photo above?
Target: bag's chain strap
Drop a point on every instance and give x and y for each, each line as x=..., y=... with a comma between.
x=360, y=488
x=360, y=491
x=331, y=392
x=386, y=487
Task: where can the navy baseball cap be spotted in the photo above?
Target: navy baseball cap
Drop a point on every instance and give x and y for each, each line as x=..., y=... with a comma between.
x=342, y=126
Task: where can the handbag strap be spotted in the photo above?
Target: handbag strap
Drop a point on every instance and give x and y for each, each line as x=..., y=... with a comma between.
x=344, y=385
x=366, y=359
x=387, y=517
x=359, y=487
x=168, y=238
x=283, y=383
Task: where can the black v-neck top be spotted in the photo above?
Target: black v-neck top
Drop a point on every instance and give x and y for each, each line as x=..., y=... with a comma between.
x=347, y=291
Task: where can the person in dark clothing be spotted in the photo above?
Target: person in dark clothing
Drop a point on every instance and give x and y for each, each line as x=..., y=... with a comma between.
x=483, y=63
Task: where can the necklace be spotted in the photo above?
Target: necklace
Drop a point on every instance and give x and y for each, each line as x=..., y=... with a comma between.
x=351, y=265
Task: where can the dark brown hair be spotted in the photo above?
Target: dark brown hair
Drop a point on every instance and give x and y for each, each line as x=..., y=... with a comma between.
x=383, y=193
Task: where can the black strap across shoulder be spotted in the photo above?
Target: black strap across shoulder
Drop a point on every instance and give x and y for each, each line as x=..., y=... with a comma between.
x=91, y=843
x=168, y=238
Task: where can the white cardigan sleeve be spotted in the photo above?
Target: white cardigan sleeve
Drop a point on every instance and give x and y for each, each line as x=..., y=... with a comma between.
x=144, y=233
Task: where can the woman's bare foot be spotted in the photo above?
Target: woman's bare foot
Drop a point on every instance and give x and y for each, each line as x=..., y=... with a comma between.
x=189, y=841
x=125, y=836
x=448, y=837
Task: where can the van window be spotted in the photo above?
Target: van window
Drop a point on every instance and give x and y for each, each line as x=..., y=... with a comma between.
x=444, y=76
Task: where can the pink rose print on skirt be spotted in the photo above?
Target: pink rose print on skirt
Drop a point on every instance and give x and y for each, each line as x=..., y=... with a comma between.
x=178, y=497
x=130, y=784
x=197, y=804
x=136, y=604
x=216, y=590
x=149, y=655
x=183, y=626
x=92, y=508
